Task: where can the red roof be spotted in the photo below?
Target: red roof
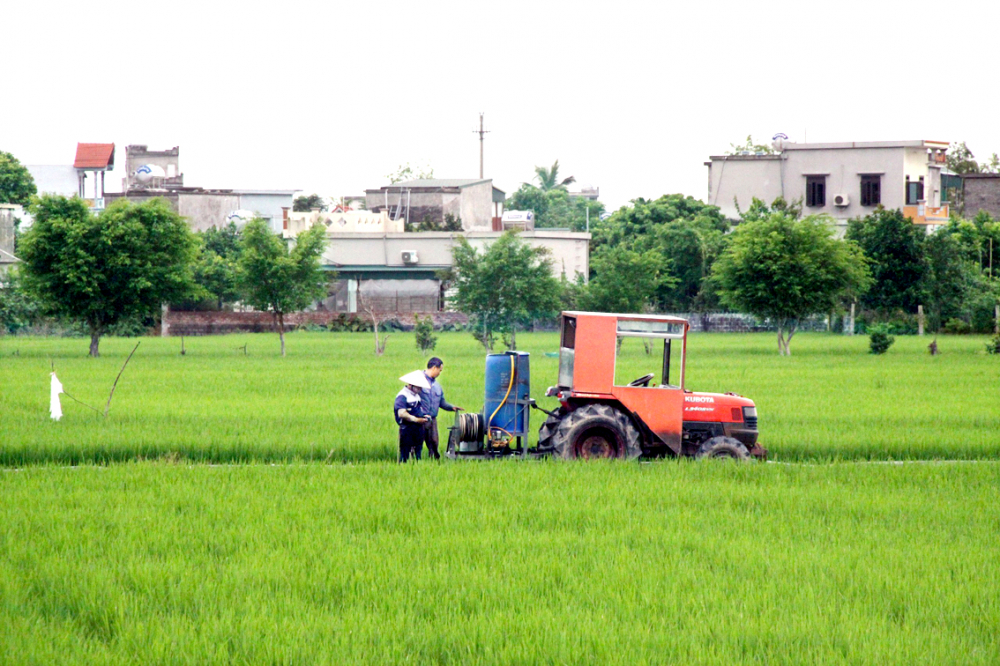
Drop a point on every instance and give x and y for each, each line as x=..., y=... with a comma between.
x=95, y=156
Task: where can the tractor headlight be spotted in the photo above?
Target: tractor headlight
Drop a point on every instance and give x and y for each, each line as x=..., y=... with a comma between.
x=749, y=412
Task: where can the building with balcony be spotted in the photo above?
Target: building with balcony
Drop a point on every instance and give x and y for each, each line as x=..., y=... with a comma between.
x=84, y=178
x=842, y=180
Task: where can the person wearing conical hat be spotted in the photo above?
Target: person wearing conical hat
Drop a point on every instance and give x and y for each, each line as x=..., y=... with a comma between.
x=409, y=415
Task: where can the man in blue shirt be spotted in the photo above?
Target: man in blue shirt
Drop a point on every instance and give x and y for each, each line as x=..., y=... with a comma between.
x=409, y=416
x=430, y=402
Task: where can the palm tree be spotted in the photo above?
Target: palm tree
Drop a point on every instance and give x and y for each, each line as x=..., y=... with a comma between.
x=548, y=179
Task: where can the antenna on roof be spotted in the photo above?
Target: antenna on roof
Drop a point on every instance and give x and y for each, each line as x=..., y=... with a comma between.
x=482, y=132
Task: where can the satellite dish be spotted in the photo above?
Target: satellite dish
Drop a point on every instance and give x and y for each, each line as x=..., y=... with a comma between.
x=147, y=172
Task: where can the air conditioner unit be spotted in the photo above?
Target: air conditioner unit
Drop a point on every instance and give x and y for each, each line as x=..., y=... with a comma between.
x=410, y=257
x=840, y=200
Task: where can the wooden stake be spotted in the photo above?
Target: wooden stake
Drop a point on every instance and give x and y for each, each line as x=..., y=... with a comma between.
x=107, y=407
x=920, y=320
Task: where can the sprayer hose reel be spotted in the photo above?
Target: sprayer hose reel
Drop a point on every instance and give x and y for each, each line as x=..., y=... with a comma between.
x=470, y=427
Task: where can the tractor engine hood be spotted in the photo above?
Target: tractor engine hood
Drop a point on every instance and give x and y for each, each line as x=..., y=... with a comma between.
x=717, y=407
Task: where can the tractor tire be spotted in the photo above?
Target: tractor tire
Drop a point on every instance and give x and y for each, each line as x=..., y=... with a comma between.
x=548, y=429
x=597, y=431
x=723, y=447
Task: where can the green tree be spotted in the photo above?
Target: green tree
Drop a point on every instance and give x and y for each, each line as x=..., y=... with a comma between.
x=548, y=179
x=507, y=286
x=894, y=247
x=215, y=270
x=625, y=280
x=17, y=186
x=759, y=210
x=688, y=233
x=952, y=277
x=423, y=331
x=529, y=197
x=786, y=269
x=306, y=202
x=106, y=269
x=18, y=310
x=278, y=280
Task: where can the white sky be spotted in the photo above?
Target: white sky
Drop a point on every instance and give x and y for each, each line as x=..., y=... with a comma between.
x=631, y=97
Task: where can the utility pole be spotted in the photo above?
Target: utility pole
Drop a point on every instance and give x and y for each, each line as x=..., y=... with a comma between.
x=482, y=133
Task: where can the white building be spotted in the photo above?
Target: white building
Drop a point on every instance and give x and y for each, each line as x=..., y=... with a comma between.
x=843, y=180
x=399, y=271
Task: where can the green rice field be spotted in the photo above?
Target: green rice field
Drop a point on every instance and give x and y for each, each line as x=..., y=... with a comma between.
x=246, y=508
x=330, y=398
x=501, y=563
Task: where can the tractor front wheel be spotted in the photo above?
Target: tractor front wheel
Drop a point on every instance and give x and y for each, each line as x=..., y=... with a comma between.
x=596, y=431
x=723, y=447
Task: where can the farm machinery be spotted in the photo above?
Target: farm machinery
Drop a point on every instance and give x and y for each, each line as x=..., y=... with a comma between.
x=604, y=412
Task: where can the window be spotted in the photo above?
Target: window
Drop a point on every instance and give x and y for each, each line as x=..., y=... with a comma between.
x=871, y=190
x=914, y=192
x=636, y=363
x=816, y=191
x=567, y=351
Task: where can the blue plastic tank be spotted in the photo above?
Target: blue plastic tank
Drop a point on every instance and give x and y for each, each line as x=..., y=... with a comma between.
x=508, y=388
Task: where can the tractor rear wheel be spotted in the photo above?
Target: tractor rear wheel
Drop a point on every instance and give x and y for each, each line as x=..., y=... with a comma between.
x=596, y=431
x=723, y=447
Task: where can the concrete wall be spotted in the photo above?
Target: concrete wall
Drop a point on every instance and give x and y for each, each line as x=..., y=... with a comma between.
x=55, y=179
x=266, y=204
x=741, y=178
x=204, y=211
x=477, y=207
x=981, y=193
x=7, y=215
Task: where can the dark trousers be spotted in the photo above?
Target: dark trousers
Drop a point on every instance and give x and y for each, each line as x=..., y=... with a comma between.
x=430, y=438
x=411, y=437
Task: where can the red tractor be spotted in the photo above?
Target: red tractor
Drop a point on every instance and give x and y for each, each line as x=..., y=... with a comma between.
x=604, y=414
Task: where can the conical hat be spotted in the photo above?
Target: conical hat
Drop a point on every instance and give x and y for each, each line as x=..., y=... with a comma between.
x=416, y=378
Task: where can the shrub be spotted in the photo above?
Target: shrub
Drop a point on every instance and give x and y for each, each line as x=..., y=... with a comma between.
x=424, y=329
x=879, y=339
x=956, y=327
x=993, y=346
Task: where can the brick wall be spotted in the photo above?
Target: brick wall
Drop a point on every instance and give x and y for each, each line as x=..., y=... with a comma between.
x=217, y=323
x=981, y=193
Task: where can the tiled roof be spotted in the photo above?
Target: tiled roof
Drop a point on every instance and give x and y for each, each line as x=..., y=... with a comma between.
x=95, y=156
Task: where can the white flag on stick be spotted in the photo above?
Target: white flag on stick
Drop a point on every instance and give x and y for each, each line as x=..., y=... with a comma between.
x=55, y=409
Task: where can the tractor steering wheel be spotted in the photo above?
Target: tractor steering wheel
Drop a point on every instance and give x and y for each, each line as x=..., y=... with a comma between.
x=642, y=381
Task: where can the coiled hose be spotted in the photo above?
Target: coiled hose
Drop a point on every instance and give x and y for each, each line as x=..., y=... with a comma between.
x=469, y=427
